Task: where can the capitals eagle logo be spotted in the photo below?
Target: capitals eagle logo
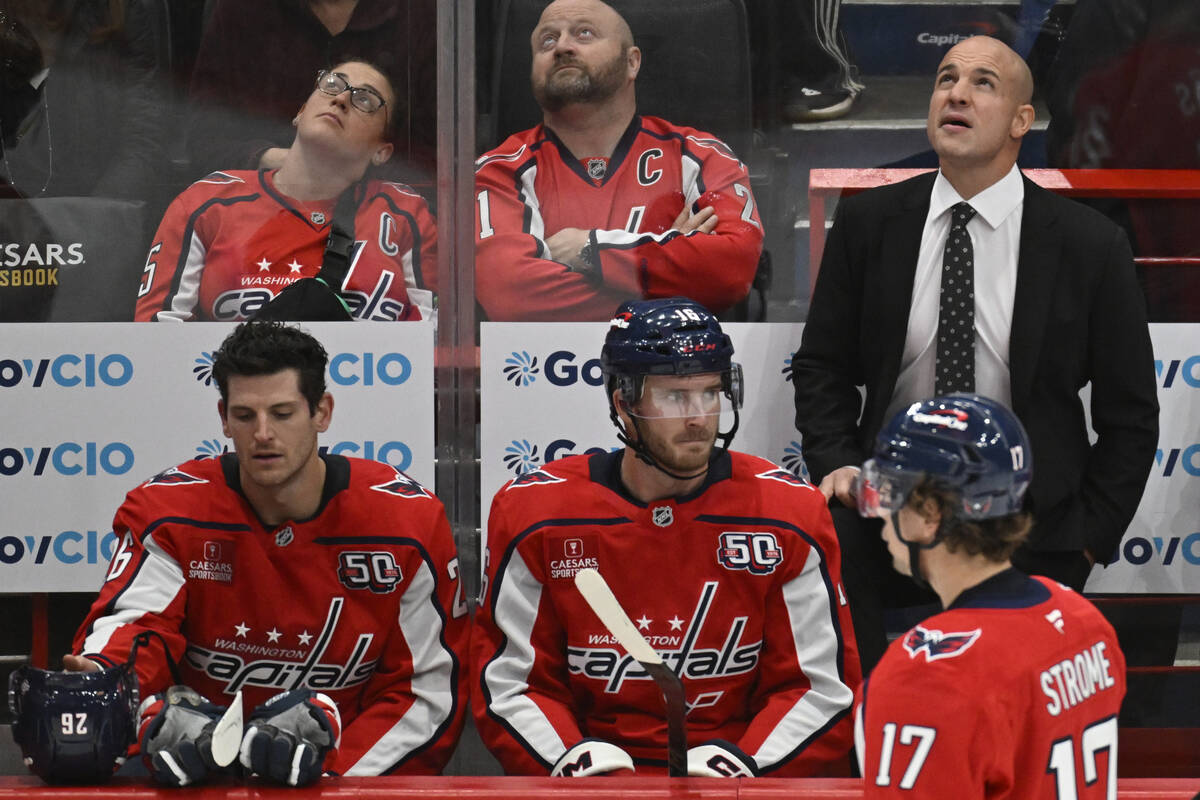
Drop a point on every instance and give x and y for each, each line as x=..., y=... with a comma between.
x=173, y=477
x=937, y=644
x=402, y=486
x=534, y=477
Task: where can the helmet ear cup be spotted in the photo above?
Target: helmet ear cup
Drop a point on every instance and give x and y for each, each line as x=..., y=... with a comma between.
x=73, y=727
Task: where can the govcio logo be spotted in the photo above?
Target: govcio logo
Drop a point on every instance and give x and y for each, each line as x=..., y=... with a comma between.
x=369, y=369
x=793, y=461
x=1139, y=550
x=1187, y=370
x=211, y=448
x=68, y=458
x=521, y=368
x=562, y=369
x=521, y=455
x=203, y=369
x=68, y=547
x=1188, y=458
x=396, y=454
x=67, y=370
x=787, y=369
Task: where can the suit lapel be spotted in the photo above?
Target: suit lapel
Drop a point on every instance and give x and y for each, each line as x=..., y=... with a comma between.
x=1037, y=271
x=902, y=242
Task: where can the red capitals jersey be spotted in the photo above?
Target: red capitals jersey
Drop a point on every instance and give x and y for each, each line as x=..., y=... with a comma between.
x=531, y=187
x=737, y=586
x=362, y=602
x=1011, y=692
x=231, y=242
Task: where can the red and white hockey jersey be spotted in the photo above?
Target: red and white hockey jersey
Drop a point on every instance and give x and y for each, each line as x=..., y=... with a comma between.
x=531, y=187
x=738, y=586
x=1011, y=692
x=231, y=242
x=362, y=601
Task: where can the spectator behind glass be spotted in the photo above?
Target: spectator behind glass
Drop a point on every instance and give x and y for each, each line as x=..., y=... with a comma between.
x=1124, y=94
x=234, y=239
x=81, y=112
x=256, y=57
x=598, y=204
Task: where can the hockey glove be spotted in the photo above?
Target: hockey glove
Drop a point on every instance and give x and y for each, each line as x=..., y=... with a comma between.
x=175, y=729
x=592, y=757
x=719, y=759
x=288, y=737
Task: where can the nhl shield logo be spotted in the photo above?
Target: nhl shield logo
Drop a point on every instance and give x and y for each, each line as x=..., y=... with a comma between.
x=596, y=167
x=284, y=536
x=317, y=217
x=663, y=516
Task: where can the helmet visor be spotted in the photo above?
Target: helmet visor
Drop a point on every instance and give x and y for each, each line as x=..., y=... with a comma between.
x=880, y=492
x=674, y=397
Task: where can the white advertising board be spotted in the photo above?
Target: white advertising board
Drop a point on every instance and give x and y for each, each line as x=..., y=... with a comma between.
x=91, y=410
x=542, y=399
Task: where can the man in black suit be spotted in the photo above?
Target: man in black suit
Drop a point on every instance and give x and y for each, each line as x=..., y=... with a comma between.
x=1055, y=305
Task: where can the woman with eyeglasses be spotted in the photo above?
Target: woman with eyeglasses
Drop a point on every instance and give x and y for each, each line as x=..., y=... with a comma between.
x=255, y=57
x=234, y=239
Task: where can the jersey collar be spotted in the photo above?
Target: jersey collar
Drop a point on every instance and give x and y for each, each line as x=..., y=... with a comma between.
x=605, y=469
x=1008, y=589
x=337, y=478
x=624, y=145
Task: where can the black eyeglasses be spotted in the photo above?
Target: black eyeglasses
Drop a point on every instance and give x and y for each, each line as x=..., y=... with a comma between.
x=364, y=98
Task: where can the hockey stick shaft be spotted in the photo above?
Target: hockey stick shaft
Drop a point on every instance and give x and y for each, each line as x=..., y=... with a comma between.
x=603, y=602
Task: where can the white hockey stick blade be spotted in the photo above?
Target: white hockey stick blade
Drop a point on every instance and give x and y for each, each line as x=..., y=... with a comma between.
x=227, y=735
x=604, y=603
x=597, y=594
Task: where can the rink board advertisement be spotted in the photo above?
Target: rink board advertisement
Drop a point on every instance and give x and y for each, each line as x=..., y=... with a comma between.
x=92, y=410
x=542, y=399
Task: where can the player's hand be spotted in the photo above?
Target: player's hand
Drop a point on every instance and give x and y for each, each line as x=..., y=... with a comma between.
x=592, y=757
x=272, y=158
x=175, y=729
x=705, y=220
x=289, y=737
x=566, y=244
x=73, y=663
x=719, y=759
x=840, y=484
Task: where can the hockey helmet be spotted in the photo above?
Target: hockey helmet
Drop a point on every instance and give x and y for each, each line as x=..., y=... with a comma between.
x=970, y=444
x=74, y=727
x=669, y=336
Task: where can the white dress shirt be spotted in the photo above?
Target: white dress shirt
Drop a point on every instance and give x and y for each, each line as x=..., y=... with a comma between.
x=995, y=233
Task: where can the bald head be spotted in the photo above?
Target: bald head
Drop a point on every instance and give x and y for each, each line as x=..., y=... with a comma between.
x=1012, y=68
x=601, y=14
x=583, y=57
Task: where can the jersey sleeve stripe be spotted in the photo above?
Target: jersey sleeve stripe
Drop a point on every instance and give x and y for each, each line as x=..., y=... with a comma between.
x=505, y=679
x=435, y=676
x=186, y=279
x=156, y=582
x=818, y=647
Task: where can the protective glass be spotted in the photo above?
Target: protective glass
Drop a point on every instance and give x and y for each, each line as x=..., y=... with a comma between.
x=364, y=98
x=880, y=493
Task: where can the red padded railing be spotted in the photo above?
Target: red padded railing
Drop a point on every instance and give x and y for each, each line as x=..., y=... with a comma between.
x=521, y=789
x=1139, y=184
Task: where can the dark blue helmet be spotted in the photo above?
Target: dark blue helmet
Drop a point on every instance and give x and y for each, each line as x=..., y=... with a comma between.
x=967, y=443
x=670, y=336
x=73, y=727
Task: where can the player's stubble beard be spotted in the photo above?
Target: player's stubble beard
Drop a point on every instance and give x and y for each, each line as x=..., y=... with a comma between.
x=560, y=90
x=667, y=449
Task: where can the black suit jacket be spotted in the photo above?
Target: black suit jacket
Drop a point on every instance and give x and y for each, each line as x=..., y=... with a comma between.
x=1078, y=316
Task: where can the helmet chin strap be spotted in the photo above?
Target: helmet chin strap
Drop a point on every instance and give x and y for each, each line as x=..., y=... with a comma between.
x=643, y=453
x=914, y=551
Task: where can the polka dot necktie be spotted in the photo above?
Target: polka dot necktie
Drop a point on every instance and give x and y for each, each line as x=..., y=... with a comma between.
x=955, y=370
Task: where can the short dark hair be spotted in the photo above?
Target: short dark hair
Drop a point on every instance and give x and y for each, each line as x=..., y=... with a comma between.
x=265, y=347
x=996, y=538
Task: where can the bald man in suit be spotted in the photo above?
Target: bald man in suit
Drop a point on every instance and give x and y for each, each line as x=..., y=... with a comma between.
x=1056, y=306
